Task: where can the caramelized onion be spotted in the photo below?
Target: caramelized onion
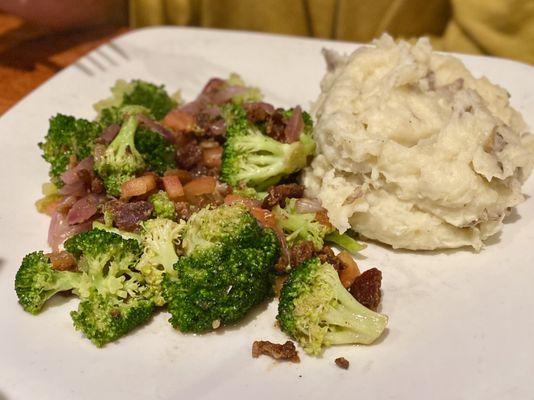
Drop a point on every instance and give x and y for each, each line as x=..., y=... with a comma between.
x=248, y=202
x=184, y=175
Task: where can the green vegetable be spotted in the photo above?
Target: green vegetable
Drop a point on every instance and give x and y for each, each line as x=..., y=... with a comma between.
x=256, y=160
x=226, y=271
x=67, y=137
x=157, y=152
x=36, y=281
x=114, y=296
x=136, y=92
x=317, y=311
x=159, y=237
x=300, y=227
x=345, y=241
x=121, y=160
x=163, y=206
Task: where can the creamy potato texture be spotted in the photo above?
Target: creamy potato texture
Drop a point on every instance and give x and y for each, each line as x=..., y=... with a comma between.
x=413, y=150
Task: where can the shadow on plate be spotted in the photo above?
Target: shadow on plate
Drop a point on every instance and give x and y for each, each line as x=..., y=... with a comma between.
x=3, y=396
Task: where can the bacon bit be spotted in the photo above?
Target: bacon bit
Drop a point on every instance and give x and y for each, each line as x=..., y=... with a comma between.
x=366, y=288
x=185, y=176
x=198, y=186
x=138, y=186
x=342, y=362
x=179, y=120
x=286, y=351
x=211, y=156
x=248, y=202
x=173, y=186
x=322, y=218
x=62, y=261
x=351, y=271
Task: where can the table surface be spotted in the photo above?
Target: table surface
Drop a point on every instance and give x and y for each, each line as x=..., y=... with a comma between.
x=30, y=55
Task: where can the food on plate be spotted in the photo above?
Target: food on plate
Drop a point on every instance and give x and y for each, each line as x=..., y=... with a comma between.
x=317, y=311
x=413, y=150
x=190, y=208
x=286, y=351
x=342, y=362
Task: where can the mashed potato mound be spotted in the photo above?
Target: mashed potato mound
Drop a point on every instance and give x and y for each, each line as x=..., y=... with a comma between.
x=413, y=150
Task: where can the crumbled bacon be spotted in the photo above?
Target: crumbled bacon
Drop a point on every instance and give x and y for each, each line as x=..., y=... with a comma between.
x=366, y=288
x=301, y=252
x=342, y=362
x=279, y=193
x=127, y=216
x=286, y=351
x=62, y=261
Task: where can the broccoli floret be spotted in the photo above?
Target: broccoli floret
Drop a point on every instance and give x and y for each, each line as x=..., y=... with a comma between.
x=159, y=237
x=36, y=281
x=219, y=285
x=114, y=296
x=317, y=311
x=209, y=226
x=102, y=320
x=300, y=227
x=121, y=160
x=67, y=137
x=227, y=269
x=136, y=92
x=163, y=206
x=257, y=160
x=157, y=152
x=305, y=226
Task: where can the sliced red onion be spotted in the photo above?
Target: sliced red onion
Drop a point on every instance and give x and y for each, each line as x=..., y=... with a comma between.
x=268, y=108
x=226, y=94
x=294, y=125
x=83, y=209
x=109, y=133
x=192, y=108
x=156, y=127
x=60, y=230
x=305, y=206
x=213, y=84
x=71, y=175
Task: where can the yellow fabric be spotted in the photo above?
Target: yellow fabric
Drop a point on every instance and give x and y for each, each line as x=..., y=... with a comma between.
x=497, y=27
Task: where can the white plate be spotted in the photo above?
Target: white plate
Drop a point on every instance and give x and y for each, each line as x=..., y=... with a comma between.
x=461, y=324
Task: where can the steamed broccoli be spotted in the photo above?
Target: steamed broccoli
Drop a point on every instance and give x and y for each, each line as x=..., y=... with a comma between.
x=300, y=227
x=227, y=269
x=305, y=226
x=136, y=92
x=120, y=161
x=114, y=296
x=317, y=311
x=163, y=206
x=257, y=160
x=67, y=137
x=159, y=237
x=36, y=281
x=157, y=152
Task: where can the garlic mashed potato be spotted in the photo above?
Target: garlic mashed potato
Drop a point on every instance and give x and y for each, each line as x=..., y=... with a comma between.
x=414, y=151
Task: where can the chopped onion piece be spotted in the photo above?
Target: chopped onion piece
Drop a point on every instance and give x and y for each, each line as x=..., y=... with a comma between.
x=304, y=206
